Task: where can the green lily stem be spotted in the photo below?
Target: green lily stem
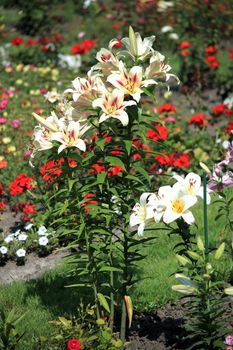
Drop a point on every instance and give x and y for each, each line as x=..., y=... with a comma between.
x=123, y=321
x=205, y=216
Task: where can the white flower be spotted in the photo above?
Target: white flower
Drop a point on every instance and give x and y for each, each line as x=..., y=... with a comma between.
x=28, y=227
x=22, y=237
x=9, y=238
x=113, y=105
x=43, y=241
x=158, y=68
x=164, y=5
x=52, y=96
x=108, y=62
x=137, y=48
x=70, y=61
x=70, y=136
x=191, y=185
x=86, y=90
x=17, y=233
x=173, y=36
x=177, y=206
x=141, y=215
x=42, y=230
x=3, y=250
x=130, y=82
x=159, y=202
x=226, y=144
x=20, y=253
x=166, y=29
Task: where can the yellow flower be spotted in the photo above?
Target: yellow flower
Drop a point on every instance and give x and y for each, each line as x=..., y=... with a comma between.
x=6, y=140
x=19, y=67
x=19, y=82
x=8, y=69
x=2, y=158
x=11, y=149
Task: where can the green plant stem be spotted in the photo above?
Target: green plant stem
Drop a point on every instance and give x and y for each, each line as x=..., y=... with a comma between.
x=205, y=218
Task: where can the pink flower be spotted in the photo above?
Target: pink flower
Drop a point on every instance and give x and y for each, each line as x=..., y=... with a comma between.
x=27, y=154
x=229, y=340
x=15, y=124
x=170, y=119
x=3, y=120
x=3, y=103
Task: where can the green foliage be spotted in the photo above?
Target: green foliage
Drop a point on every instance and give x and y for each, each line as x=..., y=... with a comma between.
x=9, y=335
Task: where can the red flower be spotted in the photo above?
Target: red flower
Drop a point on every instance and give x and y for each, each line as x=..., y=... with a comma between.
x=31, y=42
x=89, y=201
x=179, y=160
x=167, y=108
x=159, y=135
x=29, y=209
x=184, y=45
x=163, y=159
x=1, y=189
x=17, y=41
x=184, y=53
x=211, y=49
x=21, y=184
x=97, y=168
x=82, y=48
x=44, y=48
x=58, y=37
x=197, y=119
x=219, y=109
x=229, y=128
x=73, y=344
x=3, y=164
x=2, y=206
x=116, y=25
x=210, y=59
x=214, y=64
x=115, y=170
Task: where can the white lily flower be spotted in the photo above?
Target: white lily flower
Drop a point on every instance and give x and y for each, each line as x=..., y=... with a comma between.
x=139, y=49
x=17, y=233
x=43, y=241
x=108, y=62
x=177, y=206
x=3, y=250
x=70, y=136
x=166, y=29
x=130, y=82
x=141, y=215
x=20, y=253
x=158, y=68
x=159, y=202
x=191, y=185
x=86, y=90
x=113, y=105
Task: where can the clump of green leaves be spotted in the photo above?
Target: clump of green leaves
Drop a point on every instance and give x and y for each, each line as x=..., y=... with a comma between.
x=200, y=279
x=9, y=335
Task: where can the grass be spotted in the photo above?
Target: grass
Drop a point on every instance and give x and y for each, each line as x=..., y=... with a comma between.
x=46, y=298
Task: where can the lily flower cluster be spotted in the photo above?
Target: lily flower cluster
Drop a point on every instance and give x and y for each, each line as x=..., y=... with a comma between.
x=114, y=84
x=168, y=204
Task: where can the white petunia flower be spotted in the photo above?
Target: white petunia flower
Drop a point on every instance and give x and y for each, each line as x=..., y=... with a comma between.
x=22, y=237
x=42, y=230
x=9, y=238
x=17, y=233
x=28, y=227
x=3, y=250
x=43, y=241
x=20, y=253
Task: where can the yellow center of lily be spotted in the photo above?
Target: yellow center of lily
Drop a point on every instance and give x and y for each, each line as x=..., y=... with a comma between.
x=142, y=214
x=178, y=206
